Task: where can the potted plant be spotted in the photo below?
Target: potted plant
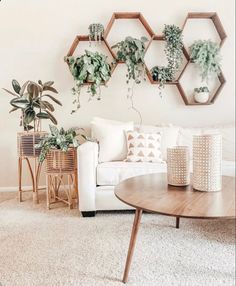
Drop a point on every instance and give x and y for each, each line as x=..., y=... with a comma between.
x=201, y=94
x=96, y=32
x=31, y=100
x=92, y=69
x=206, y=54
x=59, y=148
x=174, y=55
x=132, y=52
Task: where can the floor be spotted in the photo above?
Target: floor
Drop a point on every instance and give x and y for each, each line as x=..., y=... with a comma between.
x=58, y=247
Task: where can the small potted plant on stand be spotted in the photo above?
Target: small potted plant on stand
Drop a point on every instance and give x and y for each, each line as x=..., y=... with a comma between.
x=59, y=150
x=31, y=100
x=201, y=94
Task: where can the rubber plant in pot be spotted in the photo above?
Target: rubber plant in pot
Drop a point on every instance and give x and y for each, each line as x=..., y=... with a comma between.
x=32, y=100
x=91, y=69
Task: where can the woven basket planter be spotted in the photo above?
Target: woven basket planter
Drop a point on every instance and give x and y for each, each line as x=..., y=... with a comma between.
x=59, y=161
x=207, y=162
x=178, y=166
x=26, y=142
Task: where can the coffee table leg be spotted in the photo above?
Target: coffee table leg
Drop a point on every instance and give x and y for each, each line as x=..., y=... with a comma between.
x=177, y=222
x=137, y=218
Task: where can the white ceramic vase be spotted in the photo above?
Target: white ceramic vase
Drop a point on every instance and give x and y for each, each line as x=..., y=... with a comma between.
x=201, y=97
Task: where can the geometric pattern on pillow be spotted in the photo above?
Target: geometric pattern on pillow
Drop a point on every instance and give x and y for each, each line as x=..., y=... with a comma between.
x=143, y=147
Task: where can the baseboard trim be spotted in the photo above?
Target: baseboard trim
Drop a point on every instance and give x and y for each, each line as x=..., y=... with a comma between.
x=15, y=189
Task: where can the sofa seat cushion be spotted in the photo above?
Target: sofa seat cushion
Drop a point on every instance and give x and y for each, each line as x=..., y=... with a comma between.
x=111, y=173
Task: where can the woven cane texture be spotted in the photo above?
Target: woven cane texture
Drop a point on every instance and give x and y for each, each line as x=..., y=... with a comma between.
x=207, y=162
x=59, y=161
x=178, y=166
x=26, y=142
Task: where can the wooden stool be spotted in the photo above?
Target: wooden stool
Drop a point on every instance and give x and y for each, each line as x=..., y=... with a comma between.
x=62, y=177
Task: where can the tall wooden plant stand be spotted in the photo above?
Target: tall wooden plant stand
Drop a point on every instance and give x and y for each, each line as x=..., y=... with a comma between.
x=26, y=142
x=62, y=177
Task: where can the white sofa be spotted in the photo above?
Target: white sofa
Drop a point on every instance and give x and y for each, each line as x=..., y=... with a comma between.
x=97, y=180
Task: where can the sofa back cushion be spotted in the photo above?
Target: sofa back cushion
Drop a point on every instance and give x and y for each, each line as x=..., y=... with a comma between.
x=112, y=140
x=228, y=138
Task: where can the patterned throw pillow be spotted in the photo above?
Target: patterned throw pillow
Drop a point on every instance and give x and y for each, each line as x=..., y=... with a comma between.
x=143, y=147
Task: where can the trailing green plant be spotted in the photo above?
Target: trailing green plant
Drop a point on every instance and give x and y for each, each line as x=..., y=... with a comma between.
x=132, y=52
x=201, y=89
x=58, y=139
x=91, y=68
x=206, y=54
x=31, y=99
x=162, y=75
x=174, y=54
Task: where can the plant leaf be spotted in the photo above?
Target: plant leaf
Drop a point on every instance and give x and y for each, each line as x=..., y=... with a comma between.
x=10, y=92
x=50, y=88
x=13, y=109
x=23, y=88
x=42, y=115
x=53, y=98
x=16, y=86
x=19, y=103
x=51, y=117
x=29, y=115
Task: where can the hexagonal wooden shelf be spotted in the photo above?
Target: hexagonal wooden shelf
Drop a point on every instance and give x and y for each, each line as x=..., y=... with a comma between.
x=212, y=16
x=85, y=38
x=222, y=34
x=213, y=97
x=148, y=71
x=128, y=15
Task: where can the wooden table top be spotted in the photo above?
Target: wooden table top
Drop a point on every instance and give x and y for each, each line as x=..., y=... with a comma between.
x=153, y=194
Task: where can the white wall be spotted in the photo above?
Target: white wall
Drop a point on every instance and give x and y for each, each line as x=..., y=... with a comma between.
x=35, y=36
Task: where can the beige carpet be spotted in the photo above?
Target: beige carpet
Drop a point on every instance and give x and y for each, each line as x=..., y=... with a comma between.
x=58, y=247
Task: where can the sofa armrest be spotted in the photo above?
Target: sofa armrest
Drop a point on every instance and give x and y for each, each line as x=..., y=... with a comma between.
x=87, y=166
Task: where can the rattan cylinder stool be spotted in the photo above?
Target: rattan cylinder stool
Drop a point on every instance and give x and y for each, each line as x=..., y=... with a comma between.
x=62, y=177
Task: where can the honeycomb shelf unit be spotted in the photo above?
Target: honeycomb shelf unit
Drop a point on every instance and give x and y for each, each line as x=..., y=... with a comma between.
x=222, y=35
x=116, y=16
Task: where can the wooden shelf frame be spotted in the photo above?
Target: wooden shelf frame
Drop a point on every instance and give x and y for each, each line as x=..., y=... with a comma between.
x=222, y=35
x=128, y=16
x=212, y=98
x=213, y=16
x=148, y=71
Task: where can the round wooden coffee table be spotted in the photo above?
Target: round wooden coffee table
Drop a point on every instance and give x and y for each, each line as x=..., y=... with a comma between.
x=151, y=193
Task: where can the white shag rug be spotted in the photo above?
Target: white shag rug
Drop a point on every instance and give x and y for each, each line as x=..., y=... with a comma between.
x=58, y=247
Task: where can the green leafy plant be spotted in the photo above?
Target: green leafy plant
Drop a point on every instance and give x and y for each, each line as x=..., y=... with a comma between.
x=58, y=139
x=201, y=89
x=31, y=99
x=91, y=68
x=206, y=54
x=162, y=75
x=132, y=52
x=96, y=32
x=174, y=55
